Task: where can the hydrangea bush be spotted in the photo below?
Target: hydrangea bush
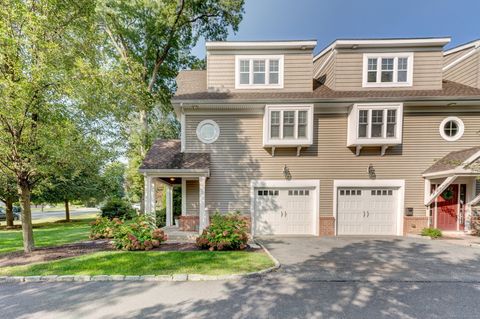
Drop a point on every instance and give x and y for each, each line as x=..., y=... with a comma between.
x=140, y=233
x=103, y=227
x=226, y=232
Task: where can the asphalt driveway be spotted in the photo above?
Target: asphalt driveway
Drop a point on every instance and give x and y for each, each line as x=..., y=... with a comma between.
x=375, y=259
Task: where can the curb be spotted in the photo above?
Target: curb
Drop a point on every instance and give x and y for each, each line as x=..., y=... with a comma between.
x=149, y=278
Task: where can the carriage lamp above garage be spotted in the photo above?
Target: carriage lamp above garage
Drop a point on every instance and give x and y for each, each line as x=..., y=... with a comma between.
x=208, y=131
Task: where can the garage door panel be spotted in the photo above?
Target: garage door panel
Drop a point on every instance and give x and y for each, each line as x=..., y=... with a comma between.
x=366, y=211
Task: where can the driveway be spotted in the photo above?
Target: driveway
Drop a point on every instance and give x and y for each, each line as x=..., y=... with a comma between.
x=375, y=259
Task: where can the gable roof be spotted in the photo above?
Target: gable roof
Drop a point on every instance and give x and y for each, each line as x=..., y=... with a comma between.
x=471, y=44
x=453, y=160
x=166, y=154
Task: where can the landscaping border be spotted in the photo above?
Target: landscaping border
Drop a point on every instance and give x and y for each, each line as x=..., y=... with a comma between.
x=149, y=278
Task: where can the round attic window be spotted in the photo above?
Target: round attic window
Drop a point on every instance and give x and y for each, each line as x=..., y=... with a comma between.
x=208, y=131
x=451, y=128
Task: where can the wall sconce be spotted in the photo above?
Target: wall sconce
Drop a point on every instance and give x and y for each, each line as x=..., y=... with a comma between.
x=286, y=172
x=172, y=179
x=371, y=172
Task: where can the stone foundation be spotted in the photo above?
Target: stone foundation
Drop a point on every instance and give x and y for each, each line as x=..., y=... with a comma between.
x=414, y=224
x=327, y=226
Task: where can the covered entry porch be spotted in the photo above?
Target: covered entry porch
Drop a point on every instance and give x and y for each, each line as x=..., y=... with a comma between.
x=452, y=191
x=166, y=166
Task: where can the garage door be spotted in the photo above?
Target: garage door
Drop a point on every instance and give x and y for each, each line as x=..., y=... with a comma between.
x=284, y=211
x=367, y=211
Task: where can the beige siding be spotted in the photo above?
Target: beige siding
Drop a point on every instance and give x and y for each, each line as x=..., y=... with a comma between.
x=427, y=71
x=320, y=61
x=238, y=157
x=192, y=198
x=466, y=72
x=298, y=68
x=447, y=59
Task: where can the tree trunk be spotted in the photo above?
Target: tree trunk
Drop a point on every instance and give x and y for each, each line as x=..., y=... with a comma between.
x=9, y=213
x=27, y=229
x=67, y=210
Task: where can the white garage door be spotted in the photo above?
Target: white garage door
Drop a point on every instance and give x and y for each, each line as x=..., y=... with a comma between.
x=367, y=211
x=284, y=211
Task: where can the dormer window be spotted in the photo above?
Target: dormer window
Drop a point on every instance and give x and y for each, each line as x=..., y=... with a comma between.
x=387, y=70
x=259, y=72
x=376, y=124
x=288, y=126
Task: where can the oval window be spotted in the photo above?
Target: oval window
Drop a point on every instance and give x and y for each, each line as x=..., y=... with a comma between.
x=208, y=131
x=451, y=128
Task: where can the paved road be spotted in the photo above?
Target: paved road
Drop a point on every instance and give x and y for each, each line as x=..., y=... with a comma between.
x=61, y=214
x=293, y=292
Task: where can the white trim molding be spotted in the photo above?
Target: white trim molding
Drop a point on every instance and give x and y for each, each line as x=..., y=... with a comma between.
x=395, y=56
x=180, y=172
x=182, y=131
x=372, y=183
x=216, y=132
x=228, y=45
x=266, y=59
x=461, y=129
x=295, y=183
x=462, y=58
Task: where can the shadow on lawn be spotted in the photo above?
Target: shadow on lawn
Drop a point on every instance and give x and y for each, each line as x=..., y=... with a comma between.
x=327, y=283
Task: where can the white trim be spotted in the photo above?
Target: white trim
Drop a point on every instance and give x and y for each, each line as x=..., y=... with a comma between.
x=302, y=44
x=474, y=201
x=395, y=57
x=372, y=183
x=184, y=197
x=352, y=133
x=267, y=59
x=182, y=132
x=460, y=59
x=393, y=42
x=324, y=63
x=462, y=47
x=202, y=212
x=290, y=142
x=443, y=186
x=278, y=183
x=169, y=204
x=175, y=172
x=461, y=129
x=216, y=133
x=330, y=47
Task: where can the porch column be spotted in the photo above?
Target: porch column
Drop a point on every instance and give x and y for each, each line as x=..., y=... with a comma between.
x=153, y=197
x=148, y=194
x=169, y=197
x=203, y=216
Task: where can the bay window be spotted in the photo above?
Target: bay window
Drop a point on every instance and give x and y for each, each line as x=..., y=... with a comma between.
x=288, y=125
x=257, y=72
x=387, y=70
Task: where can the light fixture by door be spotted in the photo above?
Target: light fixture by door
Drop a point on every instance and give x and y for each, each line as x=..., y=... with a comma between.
x=286, y=172
x=172, y=179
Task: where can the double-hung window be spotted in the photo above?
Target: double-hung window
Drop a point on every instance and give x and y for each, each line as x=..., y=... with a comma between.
x=288, y=125
x=375, y=124
x=387, y=70
x=258, y=72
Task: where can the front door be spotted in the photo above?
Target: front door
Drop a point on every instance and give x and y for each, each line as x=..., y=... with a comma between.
x=447, y=208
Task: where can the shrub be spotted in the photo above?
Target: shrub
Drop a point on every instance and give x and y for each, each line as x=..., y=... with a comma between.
x=117, y=208
x=103, y=227
x=226, y=232
x=139, y=233
x=161, y=217
x=432, y=232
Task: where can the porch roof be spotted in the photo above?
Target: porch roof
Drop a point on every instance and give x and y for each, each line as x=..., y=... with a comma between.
x=167, y=155
x=454, y=162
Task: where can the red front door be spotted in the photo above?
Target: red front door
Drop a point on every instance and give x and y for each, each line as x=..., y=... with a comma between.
x=447, y=208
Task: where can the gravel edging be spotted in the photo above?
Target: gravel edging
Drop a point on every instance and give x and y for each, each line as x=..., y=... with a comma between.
x=150, y=278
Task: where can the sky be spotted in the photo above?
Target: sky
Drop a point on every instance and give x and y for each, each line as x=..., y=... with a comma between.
x=327, y=20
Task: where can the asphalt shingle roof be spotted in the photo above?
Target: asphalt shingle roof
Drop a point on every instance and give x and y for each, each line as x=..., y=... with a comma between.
x=452, y=160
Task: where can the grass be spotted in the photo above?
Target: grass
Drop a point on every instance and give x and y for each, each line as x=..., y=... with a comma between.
x=47, y=234
x=148, y=263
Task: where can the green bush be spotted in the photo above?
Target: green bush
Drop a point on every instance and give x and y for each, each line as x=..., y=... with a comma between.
x=161, y=217
x=103, y=227
x=139, y=233
x=117, y=208
x=226, y=232
x=432, y=232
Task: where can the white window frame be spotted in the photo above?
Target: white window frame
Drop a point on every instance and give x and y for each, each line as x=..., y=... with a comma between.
x=353, y=125
x=216, y=133
x=461, y=129
x=295, y=141
x=395, y=57
x=267, y=59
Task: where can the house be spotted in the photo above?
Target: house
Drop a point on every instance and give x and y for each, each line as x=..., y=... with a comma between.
x=367, y=137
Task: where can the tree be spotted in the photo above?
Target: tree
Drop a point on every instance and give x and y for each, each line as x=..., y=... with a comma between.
x=152, y=40
x=8, y=195
x=113, y=181
x=46, y=49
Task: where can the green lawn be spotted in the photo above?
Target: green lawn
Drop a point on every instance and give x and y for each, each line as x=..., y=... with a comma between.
x=148, y=263
x=46, y=234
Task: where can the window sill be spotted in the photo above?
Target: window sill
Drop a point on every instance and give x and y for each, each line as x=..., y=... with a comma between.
x=383, y=143
x=258, y=87
x=386, y=85
x=288, y=143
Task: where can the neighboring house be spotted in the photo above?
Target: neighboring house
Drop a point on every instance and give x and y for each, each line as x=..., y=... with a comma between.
x=368, y=137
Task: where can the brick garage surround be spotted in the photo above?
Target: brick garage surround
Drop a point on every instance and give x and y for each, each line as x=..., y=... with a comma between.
x=327, y=226
x=414, y=224
x=190, y=223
